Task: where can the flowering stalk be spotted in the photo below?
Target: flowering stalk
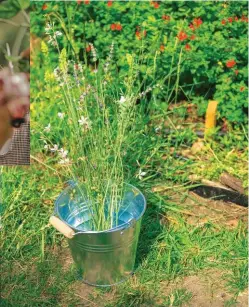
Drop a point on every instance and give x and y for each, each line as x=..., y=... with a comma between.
x=99, y=112
x=99, y=119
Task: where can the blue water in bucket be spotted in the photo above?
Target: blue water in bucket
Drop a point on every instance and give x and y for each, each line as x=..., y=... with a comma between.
x=77, y=213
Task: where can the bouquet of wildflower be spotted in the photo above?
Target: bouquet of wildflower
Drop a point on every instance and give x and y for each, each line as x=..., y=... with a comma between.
x=100, y=111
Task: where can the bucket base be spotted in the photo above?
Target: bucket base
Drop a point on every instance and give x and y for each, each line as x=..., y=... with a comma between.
x=104, y=286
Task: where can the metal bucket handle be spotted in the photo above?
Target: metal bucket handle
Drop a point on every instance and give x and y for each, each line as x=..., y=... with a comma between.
x=69, y=233
x=58, y=224
x=61, y=227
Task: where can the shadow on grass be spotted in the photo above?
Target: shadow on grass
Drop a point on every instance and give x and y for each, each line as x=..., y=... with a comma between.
x=150, y=230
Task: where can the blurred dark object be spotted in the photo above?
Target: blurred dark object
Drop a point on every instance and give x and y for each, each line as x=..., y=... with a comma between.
x=16, y=123
x=217, y=193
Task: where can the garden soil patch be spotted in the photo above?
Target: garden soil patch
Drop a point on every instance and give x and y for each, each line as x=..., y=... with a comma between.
x=208, y=210
x=208, y=290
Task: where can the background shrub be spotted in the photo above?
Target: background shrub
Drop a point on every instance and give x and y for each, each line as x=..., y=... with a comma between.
x=203, y=45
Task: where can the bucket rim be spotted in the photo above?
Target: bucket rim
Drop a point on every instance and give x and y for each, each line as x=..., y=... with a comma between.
x=119, y=228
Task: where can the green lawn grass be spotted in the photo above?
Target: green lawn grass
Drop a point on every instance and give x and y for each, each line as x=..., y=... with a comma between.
x=35, y=263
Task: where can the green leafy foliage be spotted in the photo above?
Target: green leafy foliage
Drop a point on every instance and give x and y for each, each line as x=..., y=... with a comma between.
x=203, y=38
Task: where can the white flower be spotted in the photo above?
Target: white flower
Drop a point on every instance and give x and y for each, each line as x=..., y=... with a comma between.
x=122, y=100
x=64, y=161
x=80, y=68
x=55, y=148
x=46, y=146
x=63, y=153
x=82, y=96
x=83, y=121
x=58, y=33
x=141, y=174
x=51, y=40
x=95, y=71
x=56, y=72
x=61, y=115
x=94, y=52
x=48, y=28
x=48, y=128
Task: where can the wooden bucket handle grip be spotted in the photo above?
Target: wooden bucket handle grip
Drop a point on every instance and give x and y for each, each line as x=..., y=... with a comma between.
x=61, y=227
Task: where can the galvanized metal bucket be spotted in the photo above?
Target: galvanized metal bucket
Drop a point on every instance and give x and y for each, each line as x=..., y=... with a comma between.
x=103, y=258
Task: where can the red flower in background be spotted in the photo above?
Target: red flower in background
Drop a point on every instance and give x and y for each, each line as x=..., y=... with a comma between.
x=192, y=37
x=197, y=22
x=166, y=17
x=162, y=48
x=242, y=88
x=44, y=7
x=182, y=36
x=187, y=47
x=88, y=48
x=156, y=5
x=118, y=27
x=109, y=3
x=236, y=18
x=113, y=27
x=223, y=21
x=79, y=2
x=244, y=18
x=87, y=1
x=138, y=33
x=230, y=63
x=192, y=27
x=230, y=19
